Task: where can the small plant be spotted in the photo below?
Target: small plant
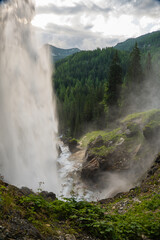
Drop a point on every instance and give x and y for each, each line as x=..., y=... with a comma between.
x=40, y=187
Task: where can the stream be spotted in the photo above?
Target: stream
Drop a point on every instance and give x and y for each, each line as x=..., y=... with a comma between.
x=69, y=167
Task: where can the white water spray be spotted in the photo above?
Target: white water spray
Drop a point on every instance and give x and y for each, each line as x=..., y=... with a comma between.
x=28, y=124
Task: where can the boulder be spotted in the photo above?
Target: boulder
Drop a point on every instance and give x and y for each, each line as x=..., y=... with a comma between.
x=26, y=191
x=58, y=150
x=72, y=144
x=48, y=195
x=90, y=169
x=151, y=130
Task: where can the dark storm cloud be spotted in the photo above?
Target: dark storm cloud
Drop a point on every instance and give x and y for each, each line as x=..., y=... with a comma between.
x=66, y=10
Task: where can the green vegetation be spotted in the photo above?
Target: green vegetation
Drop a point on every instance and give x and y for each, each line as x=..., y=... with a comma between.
x=112, y=91
x=146, y=42
x=94, y=88
x=106, y=135
x=79, y=84
x=60, y=53
x=139, y=218
x=144, y=116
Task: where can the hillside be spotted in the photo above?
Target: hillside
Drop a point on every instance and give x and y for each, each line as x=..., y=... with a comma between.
x=145, y=42
x=60, y=53
x=127, y=216
x=79, y=85
x=126, y=151
x=81, y=82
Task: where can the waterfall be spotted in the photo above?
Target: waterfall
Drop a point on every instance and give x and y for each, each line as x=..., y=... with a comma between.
x=28, y=123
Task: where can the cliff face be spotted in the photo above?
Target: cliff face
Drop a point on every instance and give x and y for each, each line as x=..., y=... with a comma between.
x=130, y=148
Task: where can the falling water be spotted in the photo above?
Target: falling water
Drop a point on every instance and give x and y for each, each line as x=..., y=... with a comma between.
x=28, y=124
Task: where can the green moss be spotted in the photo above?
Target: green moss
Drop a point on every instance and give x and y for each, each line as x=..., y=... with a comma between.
x=89, y=137
x=73, y=141
x=106, y=135
x=151, y=129
x=134, y=128
x=102, y=151
x=143, y=115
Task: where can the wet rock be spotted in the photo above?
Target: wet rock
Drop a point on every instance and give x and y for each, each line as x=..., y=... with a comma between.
x=58, y=150
x=90, y=169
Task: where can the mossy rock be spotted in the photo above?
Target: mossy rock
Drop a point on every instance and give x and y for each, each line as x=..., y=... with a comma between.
x=121, y=148
x=73, y=141
x=134, y=129
x=144, y=117
x=151, y=130
x=72, y=144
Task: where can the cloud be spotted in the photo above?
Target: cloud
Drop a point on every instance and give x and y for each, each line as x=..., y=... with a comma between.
x=96, y=23
x=65, y=10
x=68, y=37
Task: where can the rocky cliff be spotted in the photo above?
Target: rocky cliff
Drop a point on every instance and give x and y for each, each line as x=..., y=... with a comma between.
x=130, y=148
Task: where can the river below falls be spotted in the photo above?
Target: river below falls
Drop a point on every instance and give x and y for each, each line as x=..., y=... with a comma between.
x=69, y=167
x=71, y=185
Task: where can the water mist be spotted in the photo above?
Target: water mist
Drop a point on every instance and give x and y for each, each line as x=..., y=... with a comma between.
x=28, y=124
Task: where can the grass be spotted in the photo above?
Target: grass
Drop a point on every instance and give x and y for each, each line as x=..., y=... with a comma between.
x=143, y=115
x=110, y=135
x=106, y=135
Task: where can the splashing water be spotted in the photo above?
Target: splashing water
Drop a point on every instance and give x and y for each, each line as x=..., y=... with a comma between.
x=28, y=124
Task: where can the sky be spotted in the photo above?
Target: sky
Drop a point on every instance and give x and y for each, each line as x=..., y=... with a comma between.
x=88, y=24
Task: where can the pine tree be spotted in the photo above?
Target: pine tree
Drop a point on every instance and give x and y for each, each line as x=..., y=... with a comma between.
x=133, y=87
x=135, y=73
x=148, y=66
x=113, y=88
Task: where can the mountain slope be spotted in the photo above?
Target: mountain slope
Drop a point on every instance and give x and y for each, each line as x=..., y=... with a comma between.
x=145, y=42
x=79, y=84
x=60, y=53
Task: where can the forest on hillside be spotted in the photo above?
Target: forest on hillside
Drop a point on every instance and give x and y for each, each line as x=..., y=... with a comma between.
x=95, y=88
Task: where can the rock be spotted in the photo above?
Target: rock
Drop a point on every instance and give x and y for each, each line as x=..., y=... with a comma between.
x=132, y=129
x=19, y=228
x=98, y=142
x=48, y=195
x=124, y=148
x=58, y=150
x=72, y=144
x=151, y=131
x=152, y=171
x=157, y=159
x=26, y=191
x=69, y=237
x=90, y=169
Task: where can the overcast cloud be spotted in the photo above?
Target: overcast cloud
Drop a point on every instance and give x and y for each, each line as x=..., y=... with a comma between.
x=88, y=24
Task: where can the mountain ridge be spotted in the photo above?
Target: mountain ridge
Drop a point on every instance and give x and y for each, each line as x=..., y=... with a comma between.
x=60, y=53
x=145, y=42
